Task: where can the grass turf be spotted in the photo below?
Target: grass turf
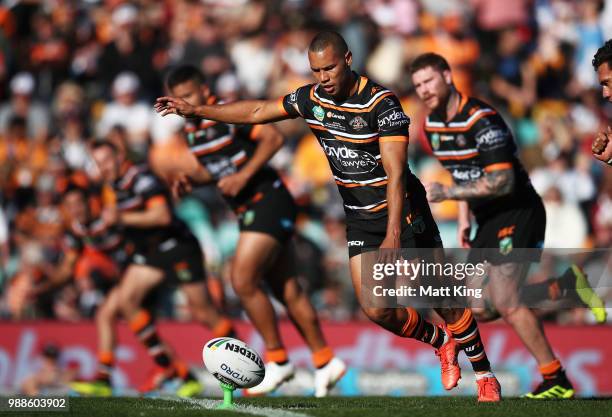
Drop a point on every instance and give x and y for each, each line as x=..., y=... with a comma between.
x=337, y=407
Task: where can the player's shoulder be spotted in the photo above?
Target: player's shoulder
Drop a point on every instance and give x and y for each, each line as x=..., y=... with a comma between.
x=371, y=92
x=478, y=114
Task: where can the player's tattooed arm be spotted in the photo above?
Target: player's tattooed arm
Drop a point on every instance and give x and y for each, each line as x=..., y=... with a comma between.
x=492, y=184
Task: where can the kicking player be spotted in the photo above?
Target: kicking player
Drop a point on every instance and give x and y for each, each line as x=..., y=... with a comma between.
x=234, y=157
x=602, y=62
x=472, y=141
x=364, y=132
x=161, y=248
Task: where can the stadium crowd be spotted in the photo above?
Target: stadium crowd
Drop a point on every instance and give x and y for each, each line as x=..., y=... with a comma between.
x=75, y=72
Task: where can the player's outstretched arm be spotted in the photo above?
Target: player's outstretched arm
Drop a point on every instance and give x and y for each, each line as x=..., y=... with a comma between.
x=239, y=112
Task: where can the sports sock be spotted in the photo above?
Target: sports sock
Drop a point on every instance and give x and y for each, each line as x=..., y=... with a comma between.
x=321, y=357
x=465, y=331
x=551, y=370
x=416, y=327
x=552, y=289
x=144, y=328
x=106, y=361
x=224, y=328
x=278, y=356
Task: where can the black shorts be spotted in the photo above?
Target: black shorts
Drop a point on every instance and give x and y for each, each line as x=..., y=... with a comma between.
x=180, y=258
x=511, y=236
x=419, y=229
x=273, y=214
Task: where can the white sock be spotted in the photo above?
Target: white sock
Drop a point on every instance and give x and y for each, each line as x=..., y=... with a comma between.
x=481, y=375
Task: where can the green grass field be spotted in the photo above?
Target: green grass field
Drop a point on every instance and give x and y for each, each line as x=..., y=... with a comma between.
x=337, y=407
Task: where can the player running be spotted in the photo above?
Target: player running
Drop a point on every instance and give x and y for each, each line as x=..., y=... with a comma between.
x=602, y=62
x=472, y=141
x=161, y=249
x=364, y=133
x=234, y=157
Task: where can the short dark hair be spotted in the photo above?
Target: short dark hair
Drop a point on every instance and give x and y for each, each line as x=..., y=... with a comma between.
x=104, y=143
x=429, y=59
x=183, y=74
x=603, y=55
x=328, y=38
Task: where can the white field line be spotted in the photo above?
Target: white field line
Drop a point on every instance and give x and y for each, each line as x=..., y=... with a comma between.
x=247, y=409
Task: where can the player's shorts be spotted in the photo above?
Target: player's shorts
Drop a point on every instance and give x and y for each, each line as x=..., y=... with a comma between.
x=511, y=236
x=419, y=229
x=273, y=213
x=180, y=258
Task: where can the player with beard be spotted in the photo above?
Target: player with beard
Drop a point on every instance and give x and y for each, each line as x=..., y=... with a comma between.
x=473, y=143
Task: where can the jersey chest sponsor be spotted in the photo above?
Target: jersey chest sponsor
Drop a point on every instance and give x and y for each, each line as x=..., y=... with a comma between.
x=346, y=160
x=218, y=165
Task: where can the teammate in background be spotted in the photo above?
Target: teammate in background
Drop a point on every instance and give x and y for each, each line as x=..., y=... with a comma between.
x=364, y=132
x=161, y=248
x=602, y=62
x=235, y=158
x=472, y=141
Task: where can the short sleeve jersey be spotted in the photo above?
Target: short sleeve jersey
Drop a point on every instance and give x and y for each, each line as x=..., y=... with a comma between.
x=350, y=134
x=138, y=189
x=475, y=142
x=223, y=149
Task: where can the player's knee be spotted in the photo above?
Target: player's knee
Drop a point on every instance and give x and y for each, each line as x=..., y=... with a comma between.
x=379, y=315
x=512, y=314
x=244, y=286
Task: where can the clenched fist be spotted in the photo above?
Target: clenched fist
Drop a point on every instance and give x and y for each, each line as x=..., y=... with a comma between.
x=602, y=147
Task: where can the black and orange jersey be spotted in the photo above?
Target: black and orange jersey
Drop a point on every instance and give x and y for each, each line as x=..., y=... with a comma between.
x=350, y=133
x=477, y=141
x=137, y=189
x=223, y=149
x=93, y=233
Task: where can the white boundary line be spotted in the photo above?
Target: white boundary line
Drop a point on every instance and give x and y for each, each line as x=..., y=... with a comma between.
x=247, y=409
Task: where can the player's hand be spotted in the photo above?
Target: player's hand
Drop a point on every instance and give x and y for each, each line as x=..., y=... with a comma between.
x=602, y=149
x=180, y=186
x=463, y=234
x=436, y=192
x=169, y=105
x=389, y=249
x=232, y=184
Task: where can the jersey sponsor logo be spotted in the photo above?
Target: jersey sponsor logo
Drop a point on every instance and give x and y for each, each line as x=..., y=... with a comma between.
x=143, y=184
x=358, y=123
x=466, y=174
x=355, y=243
x=319, y=113
x=461, y=140
x=446, y=138
x=219, y=166
x=335, y=116
x=393, y=118
x=348, y=161
x=491, y=136
x=435, y=141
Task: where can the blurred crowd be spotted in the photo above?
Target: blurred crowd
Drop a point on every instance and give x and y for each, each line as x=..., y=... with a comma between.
x=73, y=72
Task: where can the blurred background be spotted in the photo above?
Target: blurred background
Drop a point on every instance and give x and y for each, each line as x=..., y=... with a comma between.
x=73, y=72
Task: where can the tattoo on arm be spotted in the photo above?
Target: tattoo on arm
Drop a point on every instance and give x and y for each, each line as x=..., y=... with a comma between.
x=493, y=184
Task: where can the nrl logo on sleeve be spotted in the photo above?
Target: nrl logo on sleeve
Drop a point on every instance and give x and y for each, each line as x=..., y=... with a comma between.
x=319, y=113
x=358, y=123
